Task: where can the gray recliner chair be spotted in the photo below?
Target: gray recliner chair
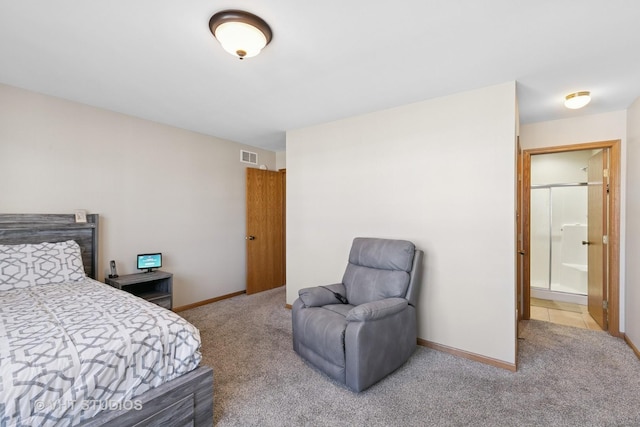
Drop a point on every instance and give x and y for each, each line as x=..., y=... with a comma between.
x=359, y=342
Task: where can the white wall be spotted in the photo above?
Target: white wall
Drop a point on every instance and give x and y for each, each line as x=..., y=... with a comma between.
x=566, y=167
x=632, y=329
x=440, y=173
x=281, y=160
x=156, y=188
x=590, y=128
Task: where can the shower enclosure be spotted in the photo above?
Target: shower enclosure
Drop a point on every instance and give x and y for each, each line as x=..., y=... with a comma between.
x=558, y=242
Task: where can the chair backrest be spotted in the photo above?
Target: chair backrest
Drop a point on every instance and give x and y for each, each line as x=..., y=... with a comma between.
x=415, y=279
x=378, y=269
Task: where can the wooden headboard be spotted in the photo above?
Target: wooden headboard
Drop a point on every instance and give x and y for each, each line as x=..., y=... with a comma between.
x=16, y=229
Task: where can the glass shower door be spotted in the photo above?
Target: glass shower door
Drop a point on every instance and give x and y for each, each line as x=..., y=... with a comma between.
x=568, y=231
x=540, y=246
x=558, y=228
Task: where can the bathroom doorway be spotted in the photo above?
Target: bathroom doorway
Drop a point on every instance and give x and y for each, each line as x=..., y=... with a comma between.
x=564, y=261
x=559, y=239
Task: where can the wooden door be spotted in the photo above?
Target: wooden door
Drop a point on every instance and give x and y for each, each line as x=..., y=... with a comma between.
x=596, y=224
x=265, y=230
x=519, y=236
x=526, y=235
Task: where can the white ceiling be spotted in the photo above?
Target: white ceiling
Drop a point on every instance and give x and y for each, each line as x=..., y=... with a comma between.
x=329, y=59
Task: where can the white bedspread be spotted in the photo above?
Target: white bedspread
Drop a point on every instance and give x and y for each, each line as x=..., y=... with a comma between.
x=68, y=351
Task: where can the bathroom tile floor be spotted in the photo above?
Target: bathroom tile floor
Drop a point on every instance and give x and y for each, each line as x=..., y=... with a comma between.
x=567, y=314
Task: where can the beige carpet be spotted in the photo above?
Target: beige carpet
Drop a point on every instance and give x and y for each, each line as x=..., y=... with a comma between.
x=566, y=377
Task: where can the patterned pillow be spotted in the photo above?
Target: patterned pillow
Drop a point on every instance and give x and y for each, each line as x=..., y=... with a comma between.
x=27, y=265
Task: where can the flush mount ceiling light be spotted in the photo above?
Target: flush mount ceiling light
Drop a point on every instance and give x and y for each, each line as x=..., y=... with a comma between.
x=240, y=33
x=577, y=99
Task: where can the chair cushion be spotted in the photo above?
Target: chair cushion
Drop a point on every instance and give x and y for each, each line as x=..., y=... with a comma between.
x=383, y=254
x=342, y=309
x=378, y=269
x=366, y=284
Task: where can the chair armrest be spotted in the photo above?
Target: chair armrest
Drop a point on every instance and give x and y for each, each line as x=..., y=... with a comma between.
x=319, y=296
x=376, y=309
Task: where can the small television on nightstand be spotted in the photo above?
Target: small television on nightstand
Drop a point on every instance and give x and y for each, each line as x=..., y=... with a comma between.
x=149, y=261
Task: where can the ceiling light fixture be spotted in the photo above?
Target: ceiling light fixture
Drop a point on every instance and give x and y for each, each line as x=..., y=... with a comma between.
x=240, y=33
x=577, y=99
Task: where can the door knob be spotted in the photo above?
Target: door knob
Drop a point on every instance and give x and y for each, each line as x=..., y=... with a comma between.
x=586, y=242
x=250, y=238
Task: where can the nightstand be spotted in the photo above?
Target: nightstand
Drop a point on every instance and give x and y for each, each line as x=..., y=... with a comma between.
x=155, y=287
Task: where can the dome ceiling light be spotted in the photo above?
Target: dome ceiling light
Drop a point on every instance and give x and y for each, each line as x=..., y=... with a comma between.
x=577, y=99
x=240, y=33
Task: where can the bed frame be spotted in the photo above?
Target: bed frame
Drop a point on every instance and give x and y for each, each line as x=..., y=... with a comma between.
x=186, y=400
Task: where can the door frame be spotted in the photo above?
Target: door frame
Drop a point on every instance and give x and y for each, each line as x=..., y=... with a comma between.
x=613, y=227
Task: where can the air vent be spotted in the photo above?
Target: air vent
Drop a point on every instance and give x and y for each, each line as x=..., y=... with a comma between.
x=248, y=157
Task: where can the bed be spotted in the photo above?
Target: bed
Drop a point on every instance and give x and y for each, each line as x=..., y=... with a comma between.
x=74, y=351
